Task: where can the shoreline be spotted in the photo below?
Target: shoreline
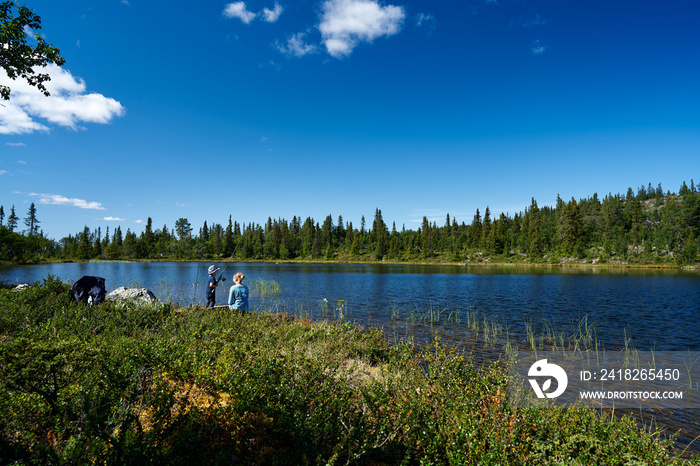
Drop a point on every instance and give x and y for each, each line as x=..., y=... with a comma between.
x=485, y=264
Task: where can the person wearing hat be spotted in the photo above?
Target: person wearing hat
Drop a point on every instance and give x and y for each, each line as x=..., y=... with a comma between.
x=212, y=283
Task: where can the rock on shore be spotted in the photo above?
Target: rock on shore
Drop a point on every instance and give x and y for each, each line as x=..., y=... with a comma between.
x=131, y=294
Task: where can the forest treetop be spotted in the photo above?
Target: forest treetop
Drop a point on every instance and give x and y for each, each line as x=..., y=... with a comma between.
x=648, y=226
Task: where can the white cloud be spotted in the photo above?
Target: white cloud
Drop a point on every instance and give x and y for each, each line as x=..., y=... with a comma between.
x=21, y=162
x=29, y=32
x=271, y=64
x=2, y=172
x=240, y=11
x=16, y=144
x=346, y=23
x=272, y=15
x=538, y=48
x=426, y=21
x=114, y=219
x=68, y=105
x=57, y=199
x=138, y=221
x=14, y=120
x=536, y=21
x=296, y=46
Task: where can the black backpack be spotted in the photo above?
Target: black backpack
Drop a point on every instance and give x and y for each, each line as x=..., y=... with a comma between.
x=88, y=289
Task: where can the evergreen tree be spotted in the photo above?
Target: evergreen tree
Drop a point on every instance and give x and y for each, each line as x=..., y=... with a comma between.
x=642, y=193
x=204, y=232
x=456, y=241
x=571, y=227
x=495, y=240
x=446, y=240
x=105, y=241
x=165, y=243
x=12, y=220
x=147, y=239
x=316, y=245
x=354, y=247
x=327, y=233
x=486, y=237
x=308, y=233
x=31, y=221
x=283, y=249
x=684, y=191
x=228, y=239
x=339, y=231
x=129, y=247
x=115, y=248
x=535, y=248
x=216, y=234
x=475, y=231
x=349, y=235
x=97, y=245
x=691, y=214
x=393, y=243
x=381, y=235
x=85, y=245
x=427, y=239
x=636, y=222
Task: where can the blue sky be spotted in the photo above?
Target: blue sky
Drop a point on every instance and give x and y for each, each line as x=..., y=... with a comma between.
x=264, y=109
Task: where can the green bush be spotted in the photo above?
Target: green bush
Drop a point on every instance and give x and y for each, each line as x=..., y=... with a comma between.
x=134, y=384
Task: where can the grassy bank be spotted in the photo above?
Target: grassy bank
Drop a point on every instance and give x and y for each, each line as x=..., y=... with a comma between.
x=124, y=384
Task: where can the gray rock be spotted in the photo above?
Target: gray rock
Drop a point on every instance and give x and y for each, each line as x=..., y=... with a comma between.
x=123, y=293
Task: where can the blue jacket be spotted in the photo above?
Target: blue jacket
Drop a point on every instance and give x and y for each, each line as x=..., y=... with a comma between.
x=238, y=297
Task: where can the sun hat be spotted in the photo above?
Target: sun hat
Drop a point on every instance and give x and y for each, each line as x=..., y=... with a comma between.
x=213, y=269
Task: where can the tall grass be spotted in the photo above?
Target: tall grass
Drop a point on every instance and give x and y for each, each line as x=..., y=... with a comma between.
x=263, y=287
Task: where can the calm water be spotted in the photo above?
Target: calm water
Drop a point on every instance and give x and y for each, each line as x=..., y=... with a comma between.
x=657, y=310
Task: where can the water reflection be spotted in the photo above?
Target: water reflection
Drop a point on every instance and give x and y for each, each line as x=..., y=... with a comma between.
x=657, y=309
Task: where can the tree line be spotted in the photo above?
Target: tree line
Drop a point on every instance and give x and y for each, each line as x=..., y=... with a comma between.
x=646, y=226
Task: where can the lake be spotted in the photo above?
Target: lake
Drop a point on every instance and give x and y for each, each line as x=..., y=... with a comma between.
x=654, y=309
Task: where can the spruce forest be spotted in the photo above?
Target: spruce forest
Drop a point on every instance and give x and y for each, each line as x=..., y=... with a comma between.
x=647, y=227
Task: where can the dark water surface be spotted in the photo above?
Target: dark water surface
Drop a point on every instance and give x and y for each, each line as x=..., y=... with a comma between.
x=655, y=309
